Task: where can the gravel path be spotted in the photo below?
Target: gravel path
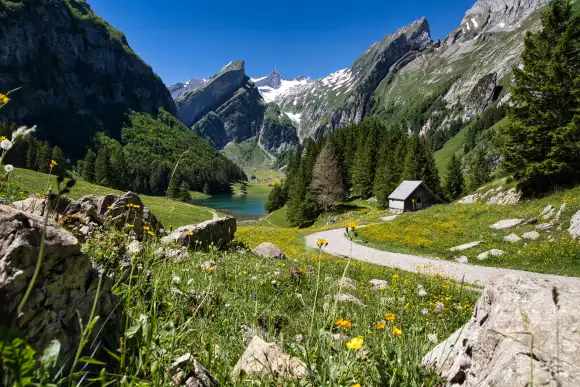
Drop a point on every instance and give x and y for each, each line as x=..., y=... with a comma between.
x=339, y=245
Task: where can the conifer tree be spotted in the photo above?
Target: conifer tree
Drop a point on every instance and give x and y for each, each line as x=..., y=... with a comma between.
x=173, y=191
x=206, y=189
x=480, y=170
x=88, y=171
x=184, y=193
x=541, y=146
x=362, y=173
x=103, y=168
x=327, y=181
x=43, y=157
x=58, y=157
x=454, y=182
x=119, y=165
x=430, y=173
x=31, y=154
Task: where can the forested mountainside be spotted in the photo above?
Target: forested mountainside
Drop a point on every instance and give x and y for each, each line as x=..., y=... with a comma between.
x=77, y=75
x=96, y=102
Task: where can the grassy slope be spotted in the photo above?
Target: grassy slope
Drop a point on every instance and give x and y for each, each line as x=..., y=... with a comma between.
x=248, y=155
x=453, y=146
x=433, y=231
x=169, y=212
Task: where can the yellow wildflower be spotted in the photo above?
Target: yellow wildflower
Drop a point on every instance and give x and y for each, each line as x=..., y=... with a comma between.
x=352, y=226
x=109, y=207
x=356, y=385
x=136, y=206
x=110, y=217
x=189, y=233
x=343, y=323
x=145, y=228
x=130, y=225
x=355, y=343
x=2, y=138
x=406, y=306
x=52, y=163
x=397, y=332
x=380, y=325
x=211, y=268
x=395, y=276
x=390, y=317
x=4, y=99
x=322, y=242
x=150, y=233
x=129, y=205
x=169, y=304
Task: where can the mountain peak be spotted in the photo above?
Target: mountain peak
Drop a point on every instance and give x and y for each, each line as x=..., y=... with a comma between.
x=273, y=80
x=498, y=15
x=235, y=65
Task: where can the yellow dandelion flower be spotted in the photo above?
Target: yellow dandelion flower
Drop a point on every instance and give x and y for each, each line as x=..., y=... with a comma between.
x=397, y=332
x=390, y=317
x=189, y=233
x=211, y=268
x=136, y=206
x=129, y=205
x=395, y=276
x=322, y=242
x=356, y=385
x=110, y=217
x=355, y=343
x=170, y=304
x=2, y=138
x=345, y=324
x=338, y=321
x=352, y=225
x=145, y=228
x=52, y=163
x=4, y=99
x=380, y=325
x=406, y=306
x=109, y=207
x=130, y=225
x=150, y=233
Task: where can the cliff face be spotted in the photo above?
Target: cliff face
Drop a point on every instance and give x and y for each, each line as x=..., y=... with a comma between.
x=278, y=133
x=77, y=75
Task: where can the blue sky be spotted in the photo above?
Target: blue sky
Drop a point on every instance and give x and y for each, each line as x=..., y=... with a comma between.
x=181, y=39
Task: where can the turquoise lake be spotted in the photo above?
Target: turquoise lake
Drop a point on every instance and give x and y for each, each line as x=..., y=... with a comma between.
x=241, y=207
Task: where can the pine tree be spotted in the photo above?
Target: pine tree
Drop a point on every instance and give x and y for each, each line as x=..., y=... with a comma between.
x=414, y=159
x=206, y=189
x=541, y=146
x=327, y=181
x=43, y=157
x=88, y=171
x=454, y=182
x=184, y=193
x=173, y=189
x=58, y=157
x=362, y=173
x=103, y=175
x=430, y=173
x=119, y=165
x=277, y=199
x=480, y=170
x=31, y=154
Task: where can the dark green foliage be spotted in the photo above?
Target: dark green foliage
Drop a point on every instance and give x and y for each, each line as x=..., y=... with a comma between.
x=420, y=164
x=482, y=122
x=173, y=189
x=541, y=146
x=103, y=170
x=206, y=189
x=184, y=194
x=61, y=162
x=88, y=171
x=454, y=182
x=278, y=129
x=43, y=155
x=479, y=170
x=276, y=198
x=302, y=208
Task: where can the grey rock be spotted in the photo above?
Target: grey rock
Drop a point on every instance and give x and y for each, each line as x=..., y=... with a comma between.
x=544, y=226
x=389, y=218
x=218, y=232
x=563, y=207
x=273, y=80
x=378, y=284
x=263, y=358
x=507, y=223
x=505, y=198
x=574, y=229
x=269, y=250
x=188, y=372
x=481, y=95
x=512, y=238
x=531, y=221
x=462, y=259
x=470, y=199
x=492, y=253
x=345, y=297
x=465, y=246
x=278, y=133
x=549, y=214
x=532, y=235
x=546, y=210
x=347, y=283
x=493, y=348
x=180, y=89
x=65, y=289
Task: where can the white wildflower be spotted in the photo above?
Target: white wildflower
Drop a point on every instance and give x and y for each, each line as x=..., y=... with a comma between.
x=176, y=280
x=439, y=307
x=432, y=338
x=228, y=305
x=422, y=292
x=325, y=307
x=425, y=311
x=6, y=144
x=276, y=273
x=189, y=282
x=299, y=338
x=8, y=168
x=22, y=133
x=254, y=278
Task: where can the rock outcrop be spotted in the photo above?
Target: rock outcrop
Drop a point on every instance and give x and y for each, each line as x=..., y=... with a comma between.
x=84, y=216
x=76, y=73
x=65, y=289
x=188, y=372
x=217, y=232
x=268, y=359
x=521, y=328
x=180, y=89
x=269, y=250
x=278, y=133
x=574, y=229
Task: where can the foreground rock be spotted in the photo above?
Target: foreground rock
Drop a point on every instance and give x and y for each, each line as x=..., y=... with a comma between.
x=466, y=246
x=64, y=291
x=188, y=372
x=506, y=223
x=574, y=229
x=218, y=232
x=82, y=217
x=269, y=250
x=492, y=253
x=263, y=358
x=495, y=347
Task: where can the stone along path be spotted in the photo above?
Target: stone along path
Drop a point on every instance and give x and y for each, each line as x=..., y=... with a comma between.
x=339, y=245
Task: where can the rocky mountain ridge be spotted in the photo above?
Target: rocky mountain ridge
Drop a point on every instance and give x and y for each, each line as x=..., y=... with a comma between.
x=180, y=89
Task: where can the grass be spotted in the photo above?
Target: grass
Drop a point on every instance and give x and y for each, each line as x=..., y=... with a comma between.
x=169, y=212
x=249, y=156
x=434, y=231
x=451, y=147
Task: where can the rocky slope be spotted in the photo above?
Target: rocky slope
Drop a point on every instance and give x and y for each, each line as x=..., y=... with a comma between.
x=407, y=71
x=77, y=75
x=180, y=89
x=278, y=134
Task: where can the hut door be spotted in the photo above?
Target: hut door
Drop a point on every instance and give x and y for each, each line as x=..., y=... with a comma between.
x=418, y=204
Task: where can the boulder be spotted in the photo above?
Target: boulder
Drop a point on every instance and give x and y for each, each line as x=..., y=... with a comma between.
x=218, y=232
x=378, y=284
x=208, y=265
x=188, y=372
x=347, y=283
x=471, y=199
x=506, y=223
x=82, y=217
x=509, y=197
x=263, y=358
x=269, y=250
x=546, y=210
x=544, y=226
x=512, y=238
x=492, y=252
x=462, y=259
x=389, y=218
x=574, y=229
x=532, y=235
x=522, y=327
x=64, y=291
x=465, y=246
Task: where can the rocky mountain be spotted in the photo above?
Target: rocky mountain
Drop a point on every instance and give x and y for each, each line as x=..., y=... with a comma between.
x=179, y=89
x=77, y=75
x=408, y=75
x=229, y=108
